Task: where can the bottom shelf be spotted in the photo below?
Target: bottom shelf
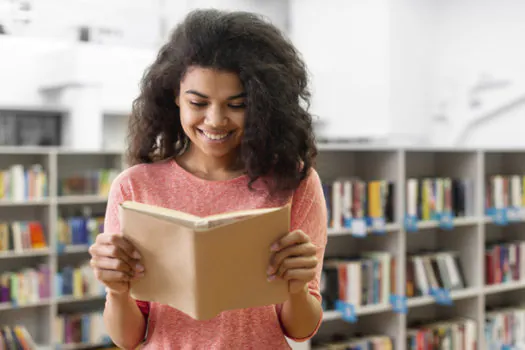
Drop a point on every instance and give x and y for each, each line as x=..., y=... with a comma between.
x=17, y=337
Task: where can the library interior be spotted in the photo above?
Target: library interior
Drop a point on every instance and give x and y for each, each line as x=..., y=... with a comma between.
x=425, y=212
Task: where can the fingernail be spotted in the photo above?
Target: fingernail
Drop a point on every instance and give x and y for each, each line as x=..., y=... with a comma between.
x=271, y=278
x=269, y=271
x=275, y=247
x=136, y=255
x=139, y=268
x=139, y=274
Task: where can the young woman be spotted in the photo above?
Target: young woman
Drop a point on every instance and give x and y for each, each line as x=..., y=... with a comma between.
x=220, y=124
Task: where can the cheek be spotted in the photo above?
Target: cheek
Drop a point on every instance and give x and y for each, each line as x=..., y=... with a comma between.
x=188, y=119
x=238, y=119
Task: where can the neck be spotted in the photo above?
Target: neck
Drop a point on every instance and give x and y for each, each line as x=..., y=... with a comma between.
x=211, y=167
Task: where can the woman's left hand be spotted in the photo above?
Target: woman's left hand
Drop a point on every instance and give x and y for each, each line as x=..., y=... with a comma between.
x=294, y=260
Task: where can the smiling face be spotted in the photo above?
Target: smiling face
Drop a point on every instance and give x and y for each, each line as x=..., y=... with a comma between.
x=212, y=111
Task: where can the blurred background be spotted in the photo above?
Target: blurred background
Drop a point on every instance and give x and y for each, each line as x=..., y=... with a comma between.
x=423, y=98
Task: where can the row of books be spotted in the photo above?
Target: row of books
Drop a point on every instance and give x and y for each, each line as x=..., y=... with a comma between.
x=91, y=182
x=455, y=334
x=16, y=337
x=371, y=278
x=367, y=280
x=18, y=183
x=26, y=286
x=431, y=272
x=370, y=342
x=505, y=262
x=504, y=191
x=19, y=236
x=351, y=199
x=505, y=328
x=430, y=198
x=78, y=230
x=78, y=282
x=87, y=328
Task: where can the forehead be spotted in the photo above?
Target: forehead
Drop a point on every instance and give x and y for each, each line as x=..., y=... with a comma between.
x=211, y=82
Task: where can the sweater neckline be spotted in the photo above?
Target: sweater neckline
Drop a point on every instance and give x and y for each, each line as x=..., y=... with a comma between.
x=194, y=178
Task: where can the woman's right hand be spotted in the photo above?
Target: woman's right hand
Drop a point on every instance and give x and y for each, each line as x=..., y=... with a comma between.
x=115, y=262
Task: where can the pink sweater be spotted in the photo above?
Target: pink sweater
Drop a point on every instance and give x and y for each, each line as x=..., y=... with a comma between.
x=167, y=184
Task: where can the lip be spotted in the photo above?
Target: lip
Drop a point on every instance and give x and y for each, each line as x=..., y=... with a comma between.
x=215, y=132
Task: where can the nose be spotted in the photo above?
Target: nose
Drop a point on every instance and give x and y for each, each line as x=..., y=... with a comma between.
x=216, y=117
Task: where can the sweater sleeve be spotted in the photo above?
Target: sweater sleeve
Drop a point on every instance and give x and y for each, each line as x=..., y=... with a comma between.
x=120, y=192
x=309, y=214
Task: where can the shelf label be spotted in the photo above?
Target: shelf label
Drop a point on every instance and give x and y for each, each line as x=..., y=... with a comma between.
x=498, y=216
x=399, y=303
x=411, y=223
x=514, y=214
x=359, y=227
x=347, y=310
x=61, y=247
x=522, y=213
x=446, y=221
x=106, y=340
x=378, y=226
x=508, y=347
x=441, y=296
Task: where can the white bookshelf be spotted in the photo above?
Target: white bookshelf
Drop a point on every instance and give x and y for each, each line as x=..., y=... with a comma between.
x=469, y=235
x=39, y=317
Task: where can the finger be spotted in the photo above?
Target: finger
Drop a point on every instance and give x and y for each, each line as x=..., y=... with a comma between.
x=305, y=249
x=305, y=275
x=294, y=237
x=306, y=262
x=111, y=251
x=105, y=263
x=121, y=242
x=108, y=276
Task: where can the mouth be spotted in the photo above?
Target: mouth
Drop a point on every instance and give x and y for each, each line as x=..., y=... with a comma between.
x=215, y=136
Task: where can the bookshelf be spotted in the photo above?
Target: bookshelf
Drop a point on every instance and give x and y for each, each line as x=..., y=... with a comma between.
x=470, y=236
x=72, y=190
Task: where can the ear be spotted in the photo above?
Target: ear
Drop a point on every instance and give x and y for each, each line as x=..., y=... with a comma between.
x=177, y=101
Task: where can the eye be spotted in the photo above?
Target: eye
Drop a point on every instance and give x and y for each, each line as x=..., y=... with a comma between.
x=237, y=106
x=198, y=104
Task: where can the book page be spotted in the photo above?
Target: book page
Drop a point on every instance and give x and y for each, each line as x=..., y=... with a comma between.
x=162, y=213
x=232, y=260
x=167, y=251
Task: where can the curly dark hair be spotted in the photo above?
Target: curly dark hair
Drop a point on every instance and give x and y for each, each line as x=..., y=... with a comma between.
x=278, y=137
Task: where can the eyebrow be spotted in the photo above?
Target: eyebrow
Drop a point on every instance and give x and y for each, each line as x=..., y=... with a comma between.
x=193, y=92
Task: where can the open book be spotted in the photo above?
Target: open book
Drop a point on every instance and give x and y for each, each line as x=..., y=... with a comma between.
x=203, y=266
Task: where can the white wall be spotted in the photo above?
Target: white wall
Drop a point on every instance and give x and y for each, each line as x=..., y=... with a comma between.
x=132, y=22
x=477, y=38
x=346, y=46
x=25, y=61
x=412, y=52
x=402, y=69
x=274, y=10
x=505, y=131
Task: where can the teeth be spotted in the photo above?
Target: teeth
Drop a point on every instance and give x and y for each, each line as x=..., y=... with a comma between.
x=214, y=136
